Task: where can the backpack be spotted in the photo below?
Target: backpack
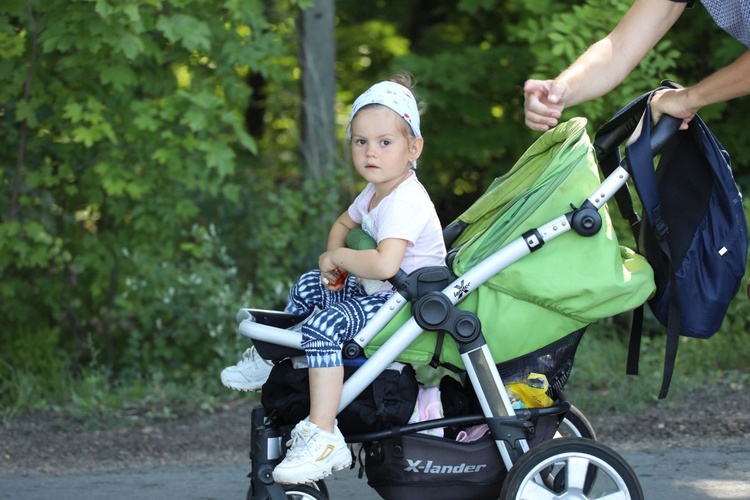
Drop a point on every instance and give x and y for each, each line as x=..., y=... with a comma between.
x=692, y=230
x=387, y=402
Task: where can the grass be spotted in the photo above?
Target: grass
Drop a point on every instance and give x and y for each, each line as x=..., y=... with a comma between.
x=93, y=397
x=598, y=382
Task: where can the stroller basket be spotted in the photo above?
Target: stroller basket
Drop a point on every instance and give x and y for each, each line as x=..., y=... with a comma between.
x=555, y=361
x=415, y=466
x=400, y=463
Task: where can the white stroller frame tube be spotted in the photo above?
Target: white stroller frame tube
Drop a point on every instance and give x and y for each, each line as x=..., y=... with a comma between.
x=455, y=292
x=609, y=187
x=259, y=331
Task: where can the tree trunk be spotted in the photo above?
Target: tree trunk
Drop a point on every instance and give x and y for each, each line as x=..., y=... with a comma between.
x=317, y=58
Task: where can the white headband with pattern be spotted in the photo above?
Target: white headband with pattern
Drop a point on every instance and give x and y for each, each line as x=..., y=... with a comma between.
x=392, y=95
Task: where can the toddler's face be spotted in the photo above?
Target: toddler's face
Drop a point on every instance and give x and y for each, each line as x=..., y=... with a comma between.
x=382, y=151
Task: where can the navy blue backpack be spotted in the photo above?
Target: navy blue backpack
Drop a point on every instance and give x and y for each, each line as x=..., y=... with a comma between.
x=692, y=230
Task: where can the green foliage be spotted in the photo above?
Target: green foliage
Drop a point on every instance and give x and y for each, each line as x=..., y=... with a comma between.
x=137, y=211
x=469, y=75
x=124, y=141
x=560, y=35
x=296, y=217
x=599, y=383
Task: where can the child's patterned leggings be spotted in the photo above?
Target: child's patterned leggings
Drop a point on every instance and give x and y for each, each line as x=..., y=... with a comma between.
x=340, y=317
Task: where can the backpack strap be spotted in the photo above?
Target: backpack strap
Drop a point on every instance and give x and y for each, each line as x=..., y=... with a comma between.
x=607, y=141
x=640, y=160
x=641, y=166
x=673, y=337
x=608, y=163
x=606, y=147
x=634, y=346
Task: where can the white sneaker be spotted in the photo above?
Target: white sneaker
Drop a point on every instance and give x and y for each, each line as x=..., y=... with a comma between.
x=249, y=374
x=312, y=454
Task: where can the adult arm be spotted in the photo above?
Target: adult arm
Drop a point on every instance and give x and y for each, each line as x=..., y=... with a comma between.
x=603, y=66
x=727, y=83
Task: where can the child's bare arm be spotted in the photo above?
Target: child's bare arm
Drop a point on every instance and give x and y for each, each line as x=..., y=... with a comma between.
x=380, y=263
x=339, y=230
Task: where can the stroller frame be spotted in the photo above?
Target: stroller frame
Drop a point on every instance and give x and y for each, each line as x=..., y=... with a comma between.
x=435, y=292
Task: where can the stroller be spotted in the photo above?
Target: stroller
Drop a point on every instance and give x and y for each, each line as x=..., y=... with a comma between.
x=496, y=312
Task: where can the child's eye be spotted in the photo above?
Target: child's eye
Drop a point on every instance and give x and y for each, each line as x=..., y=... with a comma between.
x=360, y=142
x=386, y=142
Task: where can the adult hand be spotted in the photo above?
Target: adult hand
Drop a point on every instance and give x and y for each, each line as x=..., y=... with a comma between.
x=544, y=101
x=673, y=102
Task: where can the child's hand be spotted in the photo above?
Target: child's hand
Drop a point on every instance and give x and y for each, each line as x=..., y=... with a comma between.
x=331, y=275
x=334, y=280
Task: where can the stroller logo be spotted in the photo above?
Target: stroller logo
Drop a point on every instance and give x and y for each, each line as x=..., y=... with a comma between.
x=432, y=468
x=461, y=289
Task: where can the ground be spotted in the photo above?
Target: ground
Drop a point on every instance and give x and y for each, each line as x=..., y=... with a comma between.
x=50, y=444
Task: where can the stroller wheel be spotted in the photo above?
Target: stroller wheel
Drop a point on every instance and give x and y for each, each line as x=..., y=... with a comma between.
x=322, y=487
x=575, y=424
x=571, y=468
x=309, y=491
x=303, y=492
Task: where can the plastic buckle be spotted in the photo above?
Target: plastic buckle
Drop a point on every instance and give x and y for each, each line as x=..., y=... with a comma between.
x=661, y=227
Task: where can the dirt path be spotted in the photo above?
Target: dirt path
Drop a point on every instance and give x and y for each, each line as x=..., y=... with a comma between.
x=699, y=473
x=704, y=448
x=49, y=444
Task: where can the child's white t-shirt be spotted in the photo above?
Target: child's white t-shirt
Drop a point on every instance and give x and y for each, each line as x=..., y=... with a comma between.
x=406, y=213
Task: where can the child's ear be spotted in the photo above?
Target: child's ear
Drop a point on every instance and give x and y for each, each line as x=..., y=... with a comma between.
x=415, y=148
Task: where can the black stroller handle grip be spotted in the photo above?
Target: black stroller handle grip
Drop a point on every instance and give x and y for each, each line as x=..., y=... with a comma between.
x=663, y=131
x=613, y=133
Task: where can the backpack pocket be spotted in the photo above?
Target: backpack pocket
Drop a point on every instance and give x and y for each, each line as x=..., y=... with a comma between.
x=734, y=249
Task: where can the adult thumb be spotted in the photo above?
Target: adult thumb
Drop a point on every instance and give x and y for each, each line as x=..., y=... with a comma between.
x=556, y=91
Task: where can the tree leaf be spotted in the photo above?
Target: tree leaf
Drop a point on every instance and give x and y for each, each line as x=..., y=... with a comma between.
x=192, y=33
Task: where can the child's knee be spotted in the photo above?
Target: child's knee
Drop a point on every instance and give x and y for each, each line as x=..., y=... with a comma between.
x=308, y=281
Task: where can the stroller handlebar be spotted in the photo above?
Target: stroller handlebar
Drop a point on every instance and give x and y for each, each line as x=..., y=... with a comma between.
x=664, y=130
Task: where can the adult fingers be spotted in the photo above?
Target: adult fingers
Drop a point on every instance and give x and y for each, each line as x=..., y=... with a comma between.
x=541, y=104
x=671, y=102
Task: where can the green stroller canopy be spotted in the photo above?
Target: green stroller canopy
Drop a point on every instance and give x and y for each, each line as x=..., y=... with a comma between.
x=570, y=282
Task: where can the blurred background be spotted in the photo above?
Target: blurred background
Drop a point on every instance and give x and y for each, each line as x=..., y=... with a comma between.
x=165, y=163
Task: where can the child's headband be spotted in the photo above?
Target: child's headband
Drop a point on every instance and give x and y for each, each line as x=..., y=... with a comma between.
x=392, y=95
